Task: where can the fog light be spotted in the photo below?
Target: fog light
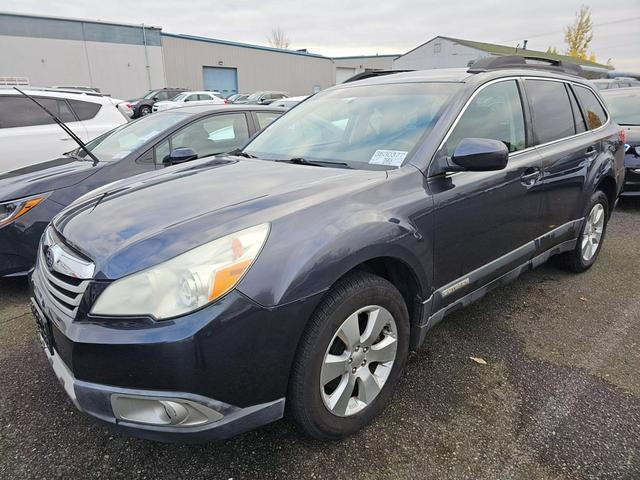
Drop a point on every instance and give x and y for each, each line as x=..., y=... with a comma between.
x=169, y=412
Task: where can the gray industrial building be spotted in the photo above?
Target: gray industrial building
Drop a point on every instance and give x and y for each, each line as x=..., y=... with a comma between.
x=127, y=60
x=230, y=67
x=349, y=66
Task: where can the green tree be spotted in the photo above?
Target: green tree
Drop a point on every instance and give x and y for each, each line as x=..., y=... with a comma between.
x=552, y=50
x=579, y=34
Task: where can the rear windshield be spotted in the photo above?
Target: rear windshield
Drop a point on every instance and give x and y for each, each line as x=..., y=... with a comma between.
x=366, y=127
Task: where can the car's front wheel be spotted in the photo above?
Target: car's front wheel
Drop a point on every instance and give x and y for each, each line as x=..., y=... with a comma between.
x=145, y=110
x=350, y=357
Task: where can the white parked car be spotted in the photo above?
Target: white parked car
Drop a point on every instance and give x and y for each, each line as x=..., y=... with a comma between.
x=289, y=102
x=29, y=136
x=188, y=99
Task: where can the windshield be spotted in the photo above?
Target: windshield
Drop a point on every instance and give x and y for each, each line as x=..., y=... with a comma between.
x=254, y=96
x=363, y=126
x=625, y=109
x=121, y=141
x=179, y=98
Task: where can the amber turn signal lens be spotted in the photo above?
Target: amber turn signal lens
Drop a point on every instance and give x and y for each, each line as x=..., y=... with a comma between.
x=227, y=278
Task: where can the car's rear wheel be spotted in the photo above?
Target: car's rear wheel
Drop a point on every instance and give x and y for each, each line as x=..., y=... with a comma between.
x=145, y=110
x=350, y=357
x=591, y=238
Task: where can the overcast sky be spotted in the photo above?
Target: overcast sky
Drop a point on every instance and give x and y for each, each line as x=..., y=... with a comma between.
x=354, y=27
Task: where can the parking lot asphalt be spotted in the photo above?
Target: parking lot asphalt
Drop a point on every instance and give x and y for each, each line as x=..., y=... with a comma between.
x=558, y=398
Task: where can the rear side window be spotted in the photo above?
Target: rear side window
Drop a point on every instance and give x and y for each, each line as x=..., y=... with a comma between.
x=265, y=118
x=495, y=113
x=85, y=110
x=596, y=116
x=22, y=112
x=551, y=109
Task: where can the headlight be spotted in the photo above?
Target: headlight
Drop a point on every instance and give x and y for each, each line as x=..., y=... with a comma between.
x=186, y=282
x=10, y=211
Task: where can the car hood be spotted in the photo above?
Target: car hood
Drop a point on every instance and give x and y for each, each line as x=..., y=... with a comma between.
x=142, y=222
x=45, y=177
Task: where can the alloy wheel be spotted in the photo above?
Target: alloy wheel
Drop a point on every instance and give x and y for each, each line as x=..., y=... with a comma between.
x=358, y=361
x=592, y=234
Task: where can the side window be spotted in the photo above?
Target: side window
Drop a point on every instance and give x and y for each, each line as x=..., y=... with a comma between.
x=265, y=118
x=596, y=116
x=577, y=115
x=213, y=135
x=162, y=151
x=85, y=110
x=162, y=95
x=205, y=96
x=192, y=98
x=551, y=109
x=22, y=112
x=495, y=113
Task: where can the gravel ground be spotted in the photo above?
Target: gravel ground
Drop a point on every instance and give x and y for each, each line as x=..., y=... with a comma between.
x=558, y=398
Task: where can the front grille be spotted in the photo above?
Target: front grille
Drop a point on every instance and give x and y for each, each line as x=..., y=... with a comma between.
x=66, y=277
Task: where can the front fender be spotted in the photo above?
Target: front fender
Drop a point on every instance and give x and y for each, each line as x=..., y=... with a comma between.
x=291, y=269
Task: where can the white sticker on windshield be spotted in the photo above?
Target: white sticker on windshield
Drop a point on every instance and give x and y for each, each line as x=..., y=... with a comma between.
x=392, y=158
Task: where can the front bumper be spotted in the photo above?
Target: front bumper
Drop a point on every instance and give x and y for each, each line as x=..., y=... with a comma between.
x=233, y=356
x=97, y=401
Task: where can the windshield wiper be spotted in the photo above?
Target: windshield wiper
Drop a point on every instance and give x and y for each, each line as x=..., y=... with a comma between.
x=239, y=153
x=62, y=125
x=315, y=163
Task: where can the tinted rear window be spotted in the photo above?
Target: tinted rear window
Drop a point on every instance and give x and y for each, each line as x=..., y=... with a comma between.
x=551, y=109
x=23, y=112
x=596, y=116
x=85, y=110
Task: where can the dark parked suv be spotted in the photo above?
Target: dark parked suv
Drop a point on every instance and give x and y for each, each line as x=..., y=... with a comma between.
x=194, y=303
x=144, y=105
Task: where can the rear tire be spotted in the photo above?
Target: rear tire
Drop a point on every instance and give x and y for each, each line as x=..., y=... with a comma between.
x=350, y=357
x=591, y=238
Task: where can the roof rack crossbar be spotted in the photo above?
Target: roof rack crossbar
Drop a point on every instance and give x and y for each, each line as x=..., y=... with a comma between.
x=520, y=61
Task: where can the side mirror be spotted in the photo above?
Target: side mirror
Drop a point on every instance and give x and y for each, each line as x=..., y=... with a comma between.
x=480, y=155
x=155, y=98
x=263, y=101
x=181, y=155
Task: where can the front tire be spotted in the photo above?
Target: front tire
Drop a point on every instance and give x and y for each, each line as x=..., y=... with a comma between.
x=591, y=238
x=350, y=357
x=145, y=110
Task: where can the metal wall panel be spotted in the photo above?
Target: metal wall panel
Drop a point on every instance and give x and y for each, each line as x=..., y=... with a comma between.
x=258, y=69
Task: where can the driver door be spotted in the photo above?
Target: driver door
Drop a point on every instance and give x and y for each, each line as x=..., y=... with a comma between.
x=485, y=222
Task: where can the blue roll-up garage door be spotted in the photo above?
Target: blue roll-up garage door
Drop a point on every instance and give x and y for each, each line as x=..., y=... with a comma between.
x=224, y=80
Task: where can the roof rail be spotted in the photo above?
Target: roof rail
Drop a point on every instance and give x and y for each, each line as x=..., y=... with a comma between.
x=519, y=61
x=373, y=73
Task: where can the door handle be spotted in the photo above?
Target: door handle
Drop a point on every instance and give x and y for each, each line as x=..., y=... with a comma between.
x=590, y=154
x=530, y=176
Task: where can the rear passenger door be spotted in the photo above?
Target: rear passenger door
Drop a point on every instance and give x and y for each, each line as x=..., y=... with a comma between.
x=485, y=222
x=567, y=149
x=29, y=136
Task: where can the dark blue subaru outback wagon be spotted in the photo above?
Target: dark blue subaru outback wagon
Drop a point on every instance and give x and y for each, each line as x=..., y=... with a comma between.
x=196, y=302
